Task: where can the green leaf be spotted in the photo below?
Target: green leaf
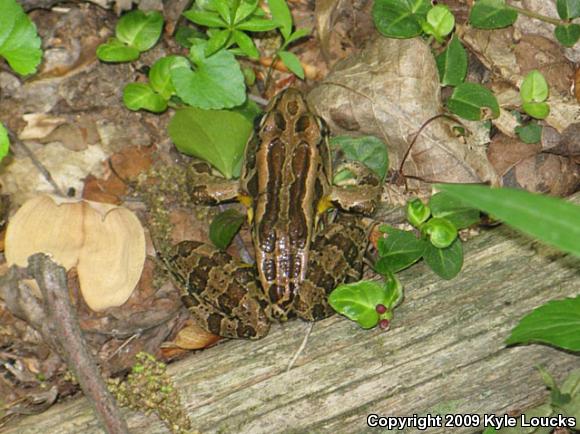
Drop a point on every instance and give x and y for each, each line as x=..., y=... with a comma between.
x=568, y=9
x=137, y=96
x=452, y=63
x=139, y=29
x=246, y=44
x=160, y=75
x=473, y=102
x=184, y=36
x=441, y=232
x=217, y=81
x=217, y=41
x=299, y=33
x=205, y=18
x=538, y=110
x=417, y=212
x=223, y=8
x=245, y=9
x=530, y=133
x=281, y=14
x=567, y=34
x=400, y=18
x=369, y=150
x=292, y=62
x=534, y=88
x=19, y=41
x=453, y=209
x=398, y=250
x=551, y=220
x=257, y=25
x=4, y=142
x=358, y=301
x=203, y=134
x=447, y=262
x=440, y=22
x=555, y=323
x=492, y=14
x=116, y=51
x=224, y=227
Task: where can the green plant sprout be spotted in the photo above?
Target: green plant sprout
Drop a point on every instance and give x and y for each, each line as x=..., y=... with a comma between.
x=19, y=41
x=135, y=33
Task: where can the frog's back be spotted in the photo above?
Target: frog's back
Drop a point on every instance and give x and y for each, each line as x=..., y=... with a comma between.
x=286, y=173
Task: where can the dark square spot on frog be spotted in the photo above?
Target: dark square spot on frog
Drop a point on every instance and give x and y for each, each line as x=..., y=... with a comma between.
x=302, y=124
x=292, y=107
x=279, y=120
x=276, y=293
x=245, y=331
x=214, y=322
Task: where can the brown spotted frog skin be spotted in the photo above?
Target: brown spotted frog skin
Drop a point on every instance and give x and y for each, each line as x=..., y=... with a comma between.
x=300, y=255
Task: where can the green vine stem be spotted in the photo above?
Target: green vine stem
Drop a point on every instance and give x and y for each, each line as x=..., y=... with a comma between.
x=537, y=16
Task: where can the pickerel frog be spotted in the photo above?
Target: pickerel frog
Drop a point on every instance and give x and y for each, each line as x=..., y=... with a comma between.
x=286, y=184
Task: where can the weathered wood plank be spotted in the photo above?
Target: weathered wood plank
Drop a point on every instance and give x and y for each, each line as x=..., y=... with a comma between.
x=444, y=354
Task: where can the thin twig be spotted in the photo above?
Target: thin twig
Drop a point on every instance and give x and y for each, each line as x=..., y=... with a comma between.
x=301, y=348
x=52, y=280
x=39, y=166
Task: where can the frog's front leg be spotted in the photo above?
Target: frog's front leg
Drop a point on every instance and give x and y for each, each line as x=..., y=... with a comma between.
x=221, y=293
x=204, y=188
x=336, y=257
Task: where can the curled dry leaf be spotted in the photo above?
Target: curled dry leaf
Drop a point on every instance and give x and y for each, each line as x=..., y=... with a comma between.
x=105, y=242
x=389, y=90
x=193, y=337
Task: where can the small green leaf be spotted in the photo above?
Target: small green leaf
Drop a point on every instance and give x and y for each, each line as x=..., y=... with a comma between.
x=538, y=110
x=281, y=14
x=441, y=232
x=567, y=34
x=223, y=8
x=217, y=81
x=400, y=18
x=184, y=36
x=224, y=227
x=417, y=212
x=204, y=18
x=473, y=102
x=246, y=44
x=394, y=291
x=551, y=220
x=398, y=250
x=358, y=301
x=568, y=9
x=4, y=142
x=369, y=150
x=137, y=96
x=160, y=75
x=452, y=63
x=534, y=88
x=447, y=262
x=217, y=41
x=116, y=51
x=299, y=33
x=555, y=323
x=257, y=25
x=245, y=9
x=139, y=29
x=492, y=14
x=451, y=208
x=530, y=133
x=439, y=23
x=292, y=62
x=19, y=41
x=202, y=133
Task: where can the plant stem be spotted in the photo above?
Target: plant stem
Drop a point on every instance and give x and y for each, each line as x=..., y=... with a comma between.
x=537, y=16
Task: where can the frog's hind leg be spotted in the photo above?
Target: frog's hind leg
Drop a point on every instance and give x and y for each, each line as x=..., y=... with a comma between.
x=336, y=257
x=220, y=292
